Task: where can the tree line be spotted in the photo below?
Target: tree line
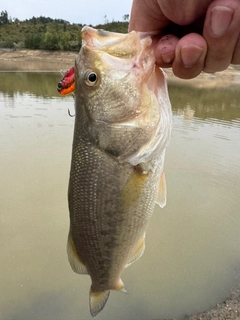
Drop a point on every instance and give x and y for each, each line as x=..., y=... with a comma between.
x=47, y=33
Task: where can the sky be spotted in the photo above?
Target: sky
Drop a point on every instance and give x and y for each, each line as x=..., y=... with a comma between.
x=74, y=11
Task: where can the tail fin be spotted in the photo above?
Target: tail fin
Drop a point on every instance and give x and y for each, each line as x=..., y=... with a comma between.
x=97, y=301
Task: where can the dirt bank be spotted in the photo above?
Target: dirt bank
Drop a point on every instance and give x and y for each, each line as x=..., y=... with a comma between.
x=36, y=60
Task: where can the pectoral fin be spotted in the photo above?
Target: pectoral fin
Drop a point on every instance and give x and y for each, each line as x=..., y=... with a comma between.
x=138, y=252
x=162, y=192
x=73, y=257
x=134, y=186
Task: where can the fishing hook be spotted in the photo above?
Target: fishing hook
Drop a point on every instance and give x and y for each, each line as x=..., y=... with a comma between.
x=69, y=113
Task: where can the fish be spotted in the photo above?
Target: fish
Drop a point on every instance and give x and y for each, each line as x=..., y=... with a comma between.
x=66, y=85
x=123, y=124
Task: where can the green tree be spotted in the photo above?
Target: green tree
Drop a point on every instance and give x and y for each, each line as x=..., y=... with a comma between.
x=9, y=44
x=51, y=41
x=4, y=17
x=65, y=40
x=105, y=19
x=33, y=41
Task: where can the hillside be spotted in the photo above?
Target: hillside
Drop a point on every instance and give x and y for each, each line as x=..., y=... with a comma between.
x=45, y=33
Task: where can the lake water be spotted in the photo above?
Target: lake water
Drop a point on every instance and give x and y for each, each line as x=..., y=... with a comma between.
x=192, y=256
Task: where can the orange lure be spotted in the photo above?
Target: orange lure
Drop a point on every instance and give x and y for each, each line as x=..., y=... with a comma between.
x=67, y=84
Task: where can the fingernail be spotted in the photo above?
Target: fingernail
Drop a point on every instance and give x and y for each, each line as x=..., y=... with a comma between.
x=220, y=20
x=190, y=55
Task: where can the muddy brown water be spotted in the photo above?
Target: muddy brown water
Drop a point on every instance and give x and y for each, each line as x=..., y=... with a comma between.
x=192, y=256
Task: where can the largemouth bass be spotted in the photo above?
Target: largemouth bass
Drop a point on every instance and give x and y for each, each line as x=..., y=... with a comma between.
x=122, y=127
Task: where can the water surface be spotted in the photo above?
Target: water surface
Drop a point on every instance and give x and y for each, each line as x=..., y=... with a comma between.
x=192, y=256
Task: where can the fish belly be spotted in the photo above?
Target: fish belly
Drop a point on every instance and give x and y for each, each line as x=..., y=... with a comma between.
x=110, y=205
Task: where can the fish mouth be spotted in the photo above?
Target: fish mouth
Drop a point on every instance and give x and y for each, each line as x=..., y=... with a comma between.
x=120, y=45
x=99, y=37
x=132, y=50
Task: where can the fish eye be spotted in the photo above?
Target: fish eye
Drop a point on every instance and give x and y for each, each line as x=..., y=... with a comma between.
x=91, y=78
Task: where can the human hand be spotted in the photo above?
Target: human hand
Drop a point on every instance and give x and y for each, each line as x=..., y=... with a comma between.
x=194, y=36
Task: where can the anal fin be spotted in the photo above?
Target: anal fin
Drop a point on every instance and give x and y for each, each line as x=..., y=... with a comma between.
x=97, y=301
x=138, y=251
x=162, y=191
x=73, y=257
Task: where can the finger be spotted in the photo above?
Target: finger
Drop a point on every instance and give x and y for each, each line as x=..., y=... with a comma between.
x=236, y=54
x=146, y=15
x=190, y=56
x=165, y=51
x=221, y=31
x=184, y=12
x=152, y=15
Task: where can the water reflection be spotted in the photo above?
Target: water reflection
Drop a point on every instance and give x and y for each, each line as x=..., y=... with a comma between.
x=212, y=103
x=192, y=247
x=42, y=84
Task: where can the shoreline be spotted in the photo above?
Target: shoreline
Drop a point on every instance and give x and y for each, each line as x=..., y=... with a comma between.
x=229, y=309
x=27, y=60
